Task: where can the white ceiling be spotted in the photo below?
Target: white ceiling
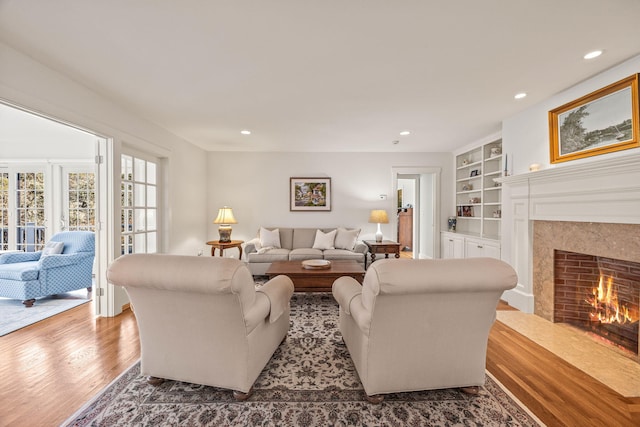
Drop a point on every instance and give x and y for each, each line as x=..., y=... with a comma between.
x=325, y=75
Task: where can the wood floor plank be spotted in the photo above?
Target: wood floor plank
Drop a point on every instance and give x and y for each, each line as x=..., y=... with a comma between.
x=50, y=369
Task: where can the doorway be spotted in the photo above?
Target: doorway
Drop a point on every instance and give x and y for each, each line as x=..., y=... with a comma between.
x=51, y=176
x=418, y=202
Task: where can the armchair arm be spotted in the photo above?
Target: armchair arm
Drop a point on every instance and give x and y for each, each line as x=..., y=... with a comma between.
x=61, y=260
x=344, y=289
x=279, y=291
x=13, y=257
x=348, y=292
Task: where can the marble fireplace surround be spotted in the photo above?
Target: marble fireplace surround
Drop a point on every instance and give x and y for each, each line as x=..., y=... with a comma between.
x=619, y=241
x=589, y=206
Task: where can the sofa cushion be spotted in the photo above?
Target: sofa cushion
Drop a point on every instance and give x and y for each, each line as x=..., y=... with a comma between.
x=343, y=254
x=324, y=240
x=20, y=271
x=269, y=238
x=303, y=237
x=302, y=254
x=271, y=255
x=346, y=239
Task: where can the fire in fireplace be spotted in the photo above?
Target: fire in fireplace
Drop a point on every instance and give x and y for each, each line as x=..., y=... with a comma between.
x=598, y=294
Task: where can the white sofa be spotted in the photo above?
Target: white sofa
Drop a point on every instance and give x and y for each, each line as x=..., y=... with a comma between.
x=201, y=319
x=421, y=324
x=297, y=244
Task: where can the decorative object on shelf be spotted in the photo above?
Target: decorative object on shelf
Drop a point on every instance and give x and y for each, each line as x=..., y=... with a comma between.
x=474, y=200
x=474, y=172
x=534, y=167
x=451, y=222
x=310, y=194
x=467, y=211
x=495, y=151
x=378, y=216
x=496, y=182
x=316, y=264
x=465, y=162
x=497, y=213
x=467, y=187
x=601, y=122
x=225, y=218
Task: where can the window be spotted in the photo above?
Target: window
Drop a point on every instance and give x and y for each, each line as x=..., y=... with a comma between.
x=139, y=205
x=4, y=211
x=30, y=211
x=81, y=201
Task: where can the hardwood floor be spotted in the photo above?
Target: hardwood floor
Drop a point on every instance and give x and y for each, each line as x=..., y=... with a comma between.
x=50, y=369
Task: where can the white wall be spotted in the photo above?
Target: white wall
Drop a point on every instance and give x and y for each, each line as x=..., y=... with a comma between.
x=525, y=136
x=33, y=86
x=256, y=186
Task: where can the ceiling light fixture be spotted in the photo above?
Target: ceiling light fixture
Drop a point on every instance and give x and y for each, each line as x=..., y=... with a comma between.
x=245, y=132
x=593, y=54
x=520, y=95
x=405, y=132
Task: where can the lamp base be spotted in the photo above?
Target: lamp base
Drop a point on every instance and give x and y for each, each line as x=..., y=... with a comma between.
x=379, y=234
x=225, y=234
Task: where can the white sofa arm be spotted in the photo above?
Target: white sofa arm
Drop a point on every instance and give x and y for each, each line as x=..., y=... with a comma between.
x=279, y=291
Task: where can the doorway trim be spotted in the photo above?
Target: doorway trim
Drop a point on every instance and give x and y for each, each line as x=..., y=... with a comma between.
x=435, y=202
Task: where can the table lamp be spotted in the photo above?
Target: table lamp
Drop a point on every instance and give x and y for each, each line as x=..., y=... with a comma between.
x=378, y=216
x=225, y=218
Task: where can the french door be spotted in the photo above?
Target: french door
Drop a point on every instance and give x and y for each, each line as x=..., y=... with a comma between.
x=79, y=199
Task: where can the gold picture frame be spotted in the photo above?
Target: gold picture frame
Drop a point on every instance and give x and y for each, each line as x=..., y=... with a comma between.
x=601, y=122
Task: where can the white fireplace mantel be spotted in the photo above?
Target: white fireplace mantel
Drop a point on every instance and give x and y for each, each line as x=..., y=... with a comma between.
x=604, y=191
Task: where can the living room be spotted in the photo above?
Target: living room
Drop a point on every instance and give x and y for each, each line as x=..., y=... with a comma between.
x=255, y=182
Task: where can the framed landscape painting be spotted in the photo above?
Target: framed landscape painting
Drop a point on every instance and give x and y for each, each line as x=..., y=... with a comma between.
x=310, y=194
x=601, y=122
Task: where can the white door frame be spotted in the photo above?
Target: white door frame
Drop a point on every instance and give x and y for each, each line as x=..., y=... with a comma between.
x=435, y=202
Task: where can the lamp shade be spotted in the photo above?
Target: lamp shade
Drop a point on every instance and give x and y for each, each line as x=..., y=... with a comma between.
x=225, y=216
x=378, y=216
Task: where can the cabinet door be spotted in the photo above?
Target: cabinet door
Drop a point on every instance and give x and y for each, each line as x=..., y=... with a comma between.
x=452, y=247
x=475, y=248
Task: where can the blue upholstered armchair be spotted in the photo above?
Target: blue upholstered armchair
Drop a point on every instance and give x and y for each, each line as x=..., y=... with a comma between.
x=28, y=275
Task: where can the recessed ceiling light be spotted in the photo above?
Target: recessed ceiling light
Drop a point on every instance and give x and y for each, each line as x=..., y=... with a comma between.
x=593, y=54
x=520, y=95
x=405, y=132
x=245, y=132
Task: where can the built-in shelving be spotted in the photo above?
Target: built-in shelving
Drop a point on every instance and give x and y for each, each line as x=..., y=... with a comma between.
x=478, y=194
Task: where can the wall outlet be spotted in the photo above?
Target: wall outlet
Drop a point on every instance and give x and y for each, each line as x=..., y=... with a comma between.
x=200, y=252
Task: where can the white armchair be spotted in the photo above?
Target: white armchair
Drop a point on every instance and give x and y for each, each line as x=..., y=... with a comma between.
x=201, y=320
x=421, y=324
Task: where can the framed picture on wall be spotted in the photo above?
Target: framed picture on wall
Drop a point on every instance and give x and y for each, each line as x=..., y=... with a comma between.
x=310, y=194
x=601, y=122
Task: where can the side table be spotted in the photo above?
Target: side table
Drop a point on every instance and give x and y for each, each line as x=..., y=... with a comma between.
x=225, y=245
x=385, y=247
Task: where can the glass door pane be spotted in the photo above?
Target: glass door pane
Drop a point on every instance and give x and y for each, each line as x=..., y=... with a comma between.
x=80, y=210
x=30, y=211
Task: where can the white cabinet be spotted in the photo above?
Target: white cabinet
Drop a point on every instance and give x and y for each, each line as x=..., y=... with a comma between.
x=474, y=248
x=478, y=196
x=452, y=245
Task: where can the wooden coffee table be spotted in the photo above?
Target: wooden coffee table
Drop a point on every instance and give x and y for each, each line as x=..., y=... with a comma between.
x=315, y=280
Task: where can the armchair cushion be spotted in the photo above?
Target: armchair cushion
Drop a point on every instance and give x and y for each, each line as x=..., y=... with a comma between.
x=12, y=257
x=21, y=271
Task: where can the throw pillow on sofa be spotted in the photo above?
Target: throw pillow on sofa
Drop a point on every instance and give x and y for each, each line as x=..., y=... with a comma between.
x=346, y=239
x=269, y=239
x=324, y=240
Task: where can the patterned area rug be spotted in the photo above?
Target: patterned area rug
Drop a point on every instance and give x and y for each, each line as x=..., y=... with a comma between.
x=14, y=315
x=310, y=381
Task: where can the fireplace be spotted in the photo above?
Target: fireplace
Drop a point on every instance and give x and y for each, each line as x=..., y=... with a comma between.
x=598, y=294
